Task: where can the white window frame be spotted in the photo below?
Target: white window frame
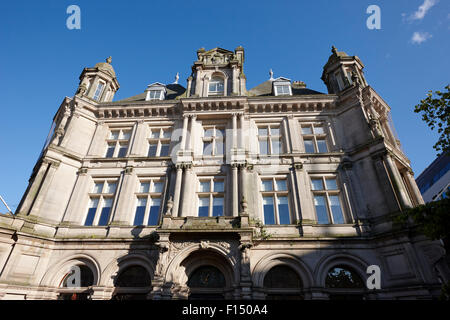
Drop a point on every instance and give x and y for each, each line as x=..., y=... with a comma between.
x=211, y=194
x=100, y=82
x=274, y=193
x=214, y=139
x=101, y=196
x=217, y=81
x=314, y=136
x=327, y=193
x=117, y=143
x=149, y=196
x=159, y=141
x=269, y=137
x=287, y=85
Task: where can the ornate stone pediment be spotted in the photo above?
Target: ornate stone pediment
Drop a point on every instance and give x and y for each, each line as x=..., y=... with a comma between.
x=216, y=56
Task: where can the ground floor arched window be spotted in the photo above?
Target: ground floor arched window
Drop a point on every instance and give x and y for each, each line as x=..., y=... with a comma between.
x=283, y=283
x=344, y=283
x=76, y=282
x=206, y=283
x=133, y=283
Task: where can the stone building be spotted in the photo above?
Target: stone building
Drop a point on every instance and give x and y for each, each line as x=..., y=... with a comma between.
x=214, y=191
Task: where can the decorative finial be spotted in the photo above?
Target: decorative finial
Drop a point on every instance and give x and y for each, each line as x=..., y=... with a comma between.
x=333, y=49
x=176, y=78
x=109, y=59
x=271, y=74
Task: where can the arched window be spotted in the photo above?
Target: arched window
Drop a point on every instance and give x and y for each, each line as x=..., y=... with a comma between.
x=206, y=282
x=216, y=87
x=73, y=291
x=283, y=283
x=134, y=283
x=344, y=284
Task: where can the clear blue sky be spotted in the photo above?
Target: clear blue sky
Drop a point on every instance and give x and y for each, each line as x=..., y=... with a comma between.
x=149, y=41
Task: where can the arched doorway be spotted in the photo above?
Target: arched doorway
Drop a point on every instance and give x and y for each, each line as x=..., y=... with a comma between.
x=133, y=283
x=344, y=283
x=71, y=289
x=206, y=283
x=283, y=283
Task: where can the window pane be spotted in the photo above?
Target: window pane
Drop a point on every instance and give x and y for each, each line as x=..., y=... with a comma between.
x=220, y=133
x=154, y=212
x=321, y=210
x=207, y=148
x=98, y=187
x=111, y=187
x=275, y=131
x=167, y=133
x=218, y=186
x=152, y=150
x=309, y=146
x=281, y=185
x=140, y=212
x=317, y=184
x=158, y=187
x=217, y=207
x=306, y=130
x=155, y=134
x=93, y=203
x=263, y=147
x=262, y=132
x=110, y=151
x=322, y=145
x=106, y=209
x=336, y=210
x=209, y=132
x=205, y=186
x=164, y=150
x=203, y=207
x=114, y=135
x=219, y=148
x=283, y=210
x=126, y=135
x=145, y=187
x=318, y=130
x=331, y=184
x=267, y=185
x=123, y=150
x=269, y=212
x=276, y=146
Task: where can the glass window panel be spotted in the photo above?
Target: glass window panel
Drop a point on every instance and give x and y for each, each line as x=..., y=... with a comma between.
x=269, y=212
x=281, y=185
x=317, y=184
x=111, y=187
x=98, y=187
x=203, y=207
x=262, y=132
x=114, y=135
x=263, y=147
x=155, y=94
x=321, y=210
x=158, y=187
x=106, y=209
x=144, y=187
x=152, y=150
x=322, y=145
x=283, y=210
x=318, y=130
x=218, y=186
x=205, y=186
x=336, y=210
x=276, y=146
x=209, y=132
x=331, y=184
x=220, y=133
x=93, y=203
x=164, y=150
x=110, y=151
x=126, y=135
x=275, y=131
x=140, y=212
x=306, y=130
x=154, y=212
x=123, y=150
x=309, y=146
x=207, y=148
x=155, y=133
x=267, y=185
x=167, y=133
x=217, y=206
x=219, y=148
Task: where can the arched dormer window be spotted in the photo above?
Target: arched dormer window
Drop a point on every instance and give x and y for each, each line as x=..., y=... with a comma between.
x=216, y=86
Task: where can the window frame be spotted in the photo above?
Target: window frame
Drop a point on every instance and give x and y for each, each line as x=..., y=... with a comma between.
x=117, y=143
x=100, y=82
x=214, y=139
x=160, y=141
x=101, y=196
x=313, y=136
x=211, y=194
x=216, y=80
x=149, y=196
x=269, y=137
x=275, y=194
x=326, y=193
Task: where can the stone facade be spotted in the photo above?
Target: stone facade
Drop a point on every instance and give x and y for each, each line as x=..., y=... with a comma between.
x=213, y=191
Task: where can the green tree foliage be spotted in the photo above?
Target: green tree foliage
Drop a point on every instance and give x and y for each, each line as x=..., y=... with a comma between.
x=436, y=113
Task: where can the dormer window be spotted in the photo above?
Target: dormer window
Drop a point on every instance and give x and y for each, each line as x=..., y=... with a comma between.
x=282, y=87
x=216, y=87
x=155, y=91
x=98, y=91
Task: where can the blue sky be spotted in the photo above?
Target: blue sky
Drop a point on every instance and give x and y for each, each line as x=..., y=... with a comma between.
x=149, y=41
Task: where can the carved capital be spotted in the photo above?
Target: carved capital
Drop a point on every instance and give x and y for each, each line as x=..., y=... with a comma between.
x=82, y=171
x=128, y=170
x=298, y=166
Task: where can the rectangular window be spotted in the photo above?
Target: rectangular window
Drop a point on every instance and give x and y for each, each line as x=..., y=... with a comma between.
x=275, y=197
x=159, y=142
x=327, y=200
x=100, y=204
x=118, y=143
x=213, y=141
x=148, y=205
x=282, y=90
x=155, y=94
x=269, y=138
x=98, y=91
x=211, y=197
x=314, y=138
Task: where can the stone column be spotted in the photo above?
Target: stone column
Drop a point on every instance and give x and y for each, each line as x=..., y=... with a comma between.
x=409, y=175
x=242, y=132
x=384, y=179
x=187, y=196
x=177, y=191
x=235, y=80
x=183, y=136
x=125, y=194
x=191, y=130
x=73, y=212
x=189, y=86
x=234, y=146
x=287, y=139
x=295, y=190
x=52, y=168
x=397, y=182
x=354, y=189
x=234, y=167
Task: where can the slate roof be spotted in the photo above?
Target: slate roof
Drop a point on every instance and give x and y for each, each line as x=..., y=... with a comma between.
x=173, y=90
x=265, y=89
